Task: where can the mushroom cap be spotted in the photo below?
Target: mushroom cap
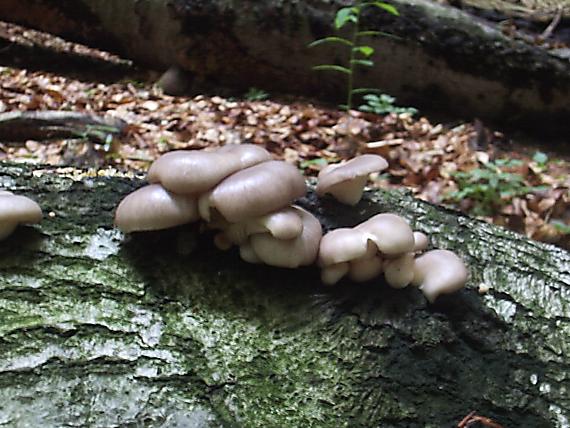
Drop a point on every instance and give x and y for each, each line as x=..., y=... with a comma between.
x=290, y=253
x=421, y=241
x=342, y=245
x=282, y=224
x=18, y=209
x=345, y=181
x=390, y=232
x=399, y=272
x=332, y=274
x=256, y=191
x=152, y=208
x=14, y=210
x=439, y=272
x=193, y=172
x=365, y=268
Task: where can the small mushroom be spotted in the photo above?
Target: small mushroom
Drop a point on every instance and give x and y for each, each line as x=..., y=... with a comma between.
x=332, y=274
x=390, y=232
x=368, y=266
x=15, y=210
x=439, y=272
x=421, y=242
x=282, y=224
x=337, y=248
x=346, y=181
x=193, y=172
x=289, y=253
x=254, y=192
x=152, y=208
x=399, y=272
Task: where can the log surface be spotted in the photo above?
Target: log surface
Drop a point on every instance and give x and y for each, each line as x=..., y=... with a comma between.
x=442, y=58
x=162, y=329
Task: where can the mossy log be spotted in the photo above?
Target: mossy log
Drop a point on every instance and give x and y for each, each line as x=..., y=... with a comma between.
x=441, y=57
x=162, y=329
x=43, y=125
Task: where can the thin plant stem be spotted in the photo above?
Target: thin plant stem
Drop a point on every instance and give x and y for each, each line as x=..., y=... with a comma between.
x=356, y=29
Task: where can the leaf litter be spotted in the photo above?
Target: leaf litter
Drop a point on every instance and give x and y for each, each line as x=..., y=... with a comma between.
x=529, y=195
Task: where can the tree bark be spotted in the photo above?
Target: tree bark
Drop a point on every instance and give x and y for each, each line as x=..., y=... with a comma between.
x=444, y=58
x=162, y=329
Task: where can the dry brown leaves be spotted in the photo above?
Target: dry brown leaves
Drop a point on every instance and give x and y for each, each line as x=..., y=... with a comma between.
x=422, y=156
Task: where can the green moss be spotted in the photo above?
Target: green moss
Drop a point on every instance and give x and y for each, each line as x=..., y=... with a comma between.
x=138, y=331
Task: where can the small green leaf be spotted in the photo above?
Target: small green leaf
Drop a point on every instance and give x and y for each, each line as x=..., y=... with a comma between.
x=363, y=62
x=365, y=91
x=540, y=158
x=331, y=67
x=364, y=50
x=370, y=33
x=318, y=161
x=560, y=226
x=344, y=15
x=331, y=39
x=384, y=6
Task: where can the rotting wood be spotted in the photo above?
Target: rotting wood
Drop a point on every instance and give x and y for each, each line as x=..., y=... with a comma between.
x=162, y=328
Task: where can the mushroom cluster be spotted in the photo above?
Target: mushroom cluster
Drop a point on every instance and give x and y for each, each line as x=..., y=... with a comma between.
x=246, y=197
x=15, y=210
x=386, y=244
x=237, y=190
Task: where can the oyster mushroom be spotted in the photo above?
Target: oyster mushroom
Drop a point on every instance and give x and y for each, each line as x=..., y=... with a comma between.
x=346, y=181
x=439, y=272
x=15, y=210
x=194, y=172
x=288, y=253
x=153, y=208
x=254, y=192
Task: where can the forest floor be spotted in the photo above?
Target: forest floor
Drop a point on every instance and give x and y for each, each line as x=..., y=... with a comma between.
x=466, y=165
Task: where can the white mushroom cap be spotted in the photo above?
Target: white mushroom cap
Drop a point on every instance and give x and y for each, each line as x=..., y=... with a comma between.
x=290, y=253
x=346, y=181
x=421, y=241
x=152, y=208
x=365, y=268
x=342, y=245
x=282, y=224
x=390, y=232
x=247, y=254
x=193, y=172
x=254, y=191
x=332, y=274
x=14, y=210
x=439, y=272
x=338, y=249
x=399, y=272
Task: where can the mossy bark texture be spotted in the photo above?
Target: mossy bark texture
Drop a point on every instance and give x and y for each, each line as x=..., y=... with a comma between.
x=161, y=329
x=441, y=57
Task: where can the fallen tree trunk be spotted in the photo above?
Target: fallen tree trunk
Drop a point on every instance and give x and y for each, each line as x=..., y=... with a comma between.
x=443, y=58
x=43, y=125
x=161, y=329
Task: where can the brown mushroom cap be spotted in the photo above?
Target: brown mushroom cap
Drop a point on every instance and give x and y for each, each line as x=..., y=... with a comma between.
x=14, y=210
x=390, y=232
x=290, y=253
x=193, y=172
x=439, y=272
x=254, y=191
x=346, y=181
x=152, y=208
